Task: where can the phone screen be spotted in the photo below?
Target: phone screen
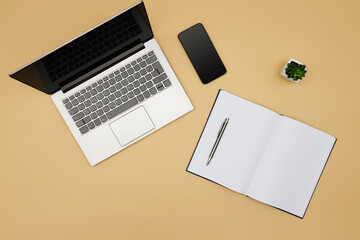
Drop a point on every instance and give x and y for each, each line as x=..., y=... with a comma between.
x=202, y=53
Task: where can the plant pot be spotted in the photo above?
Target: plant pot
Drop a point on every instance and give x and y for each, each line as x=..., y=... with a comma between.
x=283, y=73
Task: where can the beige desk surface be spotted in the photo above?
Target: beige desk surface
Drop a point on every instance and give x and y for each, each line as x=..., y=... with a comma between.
x=49, y=191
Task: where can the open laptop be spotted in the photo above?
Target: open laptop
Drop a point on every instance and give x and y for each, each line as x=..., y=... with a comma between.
x=112, y=85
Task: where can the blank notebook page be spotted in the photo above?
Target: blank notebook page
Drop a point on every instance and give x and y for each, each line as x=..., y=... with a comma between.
x=291, y=166
x=239, y=150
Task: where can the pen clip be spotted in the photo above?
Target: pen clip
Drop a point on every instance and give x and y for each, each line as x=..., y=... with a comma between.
x=222, y=126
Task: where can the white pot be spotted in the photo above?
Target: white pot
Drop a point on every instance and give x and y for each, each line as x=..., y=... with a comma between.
x=283, y=74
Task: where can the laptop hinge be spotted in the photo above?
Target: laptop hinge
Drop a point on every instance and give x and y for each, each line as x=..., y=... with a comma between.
x=102, y=67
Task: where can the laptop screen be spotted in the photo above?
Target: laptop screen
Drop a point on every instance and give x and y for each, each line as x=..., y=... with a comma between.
x=87, y=51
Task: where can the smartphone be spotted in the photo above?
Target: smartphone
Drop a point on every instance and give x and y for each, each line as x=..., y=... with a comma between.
x=202, y=53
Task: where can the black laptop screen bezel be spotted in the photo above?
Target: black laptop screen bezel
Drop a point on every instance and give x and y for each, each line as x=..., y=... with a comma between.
x=38, y=73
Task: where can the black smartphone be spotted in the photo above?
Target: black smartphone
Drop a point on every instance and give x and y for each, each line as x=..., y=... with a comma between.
x=202, y=53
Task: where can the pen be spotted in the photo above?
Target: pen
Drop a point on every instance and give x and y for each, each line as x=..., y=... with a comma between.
x=218, y=138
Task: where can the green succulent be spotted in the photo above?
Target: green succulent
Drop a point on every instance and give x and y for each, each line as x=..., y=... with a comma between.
x=295, y=71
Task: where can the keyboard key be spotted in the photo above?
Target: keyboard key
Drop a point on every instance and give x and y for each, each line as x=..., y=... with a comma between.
x=87, y=111
x=122, y=108
x=143, y=64
x=81, y=106
x=93, y=115
x=137, y=91
x=152, y=91
x=131, y=79
x=137, y=75
x=99, y=104
x=160, y=78
x=142, y=88
x=100, y=96
x=124, y=98
x=149, y=68
x=151, y=59
x=118, y=94
x=105, y=101
x=99, y=112
x=136, y=83
x=160, y=87
x=149, y=84
x=117, y=72
x=84, y=129
x=139, y=60
x=124, y=82
x=155, y=73
x=112, y=81
x=151, y=53
x=145, y=57
x=93, y=92
x=137, y=67
x=94, y=85
x=167, y=83
x=99, y=88
x=65, y=101
x=130, y=95
x=106, y=85
x=106, y=108
x=87, y=119
x=118, y=102
x=80, y=123
x=91, y=125
x=97, y=122
x=124, y=90
x=112, y=105
x=78, y=116
x=100, y=81
x=122, y=69
x=93, y=99
x=112, y=89
x=88, y=88
x=72, y=97
x=75, y=102
x=118, y=86
x=111, y=75
x=130, y=71
x=143, y=72
x=148, y=77
x=106, y=78
x=157, y=67
x=133, y=63
x=93, y=108
x=146, y=94
x=128, y=66
x=87, y=95
x=111, y=97
x=142, y=80
x=106, y=93
x=118, y=78
x=77, y=94
x=68, y=106
x=103, y=118
x=130, y=87
x=87, y=103
x=140, y=98
x=73, y=111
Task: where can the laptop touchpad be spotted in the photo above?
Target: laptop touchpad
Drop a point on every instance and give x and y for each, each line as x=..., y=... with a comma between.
x=132, y=126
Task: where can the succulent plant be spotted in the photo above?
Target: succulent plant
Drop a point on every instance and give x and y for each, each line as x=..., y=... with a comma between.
x=295, y=71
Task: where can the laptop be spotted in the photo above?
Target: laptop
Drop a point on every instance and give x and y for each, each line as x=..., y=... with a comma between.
x=112, y=85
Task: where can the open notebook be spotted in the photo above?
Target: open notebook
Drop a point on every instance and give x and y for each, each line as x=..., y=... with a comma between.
x=262, y=154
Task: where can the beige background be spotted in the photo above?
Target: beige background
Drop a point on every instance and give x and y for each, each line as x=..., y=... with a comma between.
x=49, y=191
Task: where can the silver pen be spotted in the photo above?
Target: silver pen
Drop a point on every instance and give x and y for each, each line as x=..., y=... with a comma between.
x=218, y=138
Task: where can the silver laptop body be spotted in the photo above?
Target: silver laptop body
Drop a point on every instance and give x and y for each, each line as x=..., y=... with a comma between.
x=112, y=85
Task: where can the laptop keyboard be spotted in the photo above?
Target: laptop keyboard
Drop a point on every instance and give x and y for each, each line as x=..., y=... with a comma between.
x=122, y=89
